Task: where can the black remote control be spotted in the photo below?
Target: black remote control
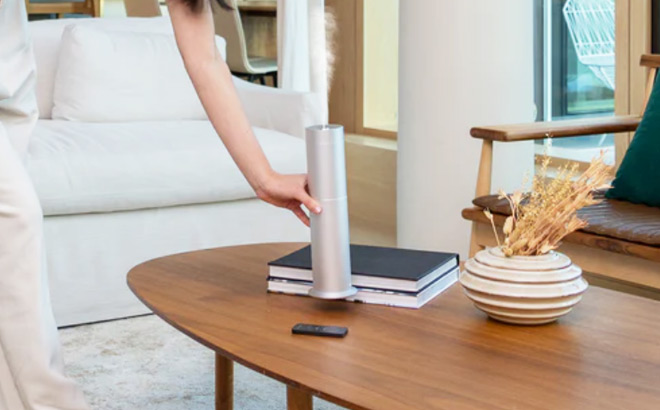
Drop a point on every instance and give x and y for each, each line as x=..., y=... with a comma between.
x=318, y=330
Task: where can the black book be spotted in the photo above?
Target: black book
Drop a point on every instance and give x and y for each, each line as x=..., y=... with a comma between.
x=375, y=267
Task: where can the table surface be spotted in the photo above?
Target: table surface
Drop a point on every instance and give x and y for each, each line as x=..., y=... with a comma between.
x=447, y=355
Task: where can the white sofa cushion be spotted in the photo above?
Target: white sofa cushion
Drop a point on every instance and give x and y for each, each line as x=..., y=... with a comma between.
x=47, y=36
x=101, y=167
x=110, y=76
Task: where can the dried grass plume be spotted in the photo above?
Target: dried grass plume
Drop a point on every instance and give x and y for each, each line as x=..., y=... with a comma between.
x=542, y=218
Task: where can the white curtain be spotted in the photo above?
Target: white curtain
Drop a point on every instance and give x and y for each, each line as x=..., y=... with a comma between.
x=301, y=44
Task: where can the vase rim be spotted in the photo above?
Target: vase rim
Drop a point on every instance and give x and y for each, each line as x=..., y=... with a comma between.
x=550, y=261
x=497, y=251
x=526, y=274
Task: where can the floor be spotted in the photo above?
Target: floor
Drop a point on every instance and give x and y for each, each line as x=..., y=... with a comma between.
x=143, y=363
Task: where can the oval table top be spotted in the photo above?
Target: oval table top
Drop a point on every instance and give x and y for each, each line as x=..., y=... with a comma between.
x=447, y=355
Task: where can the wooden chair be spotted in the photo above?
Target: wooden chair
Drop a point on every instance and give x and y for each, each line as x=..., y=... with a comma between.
x=228, y=25
x=608, y=259
x=90, y=7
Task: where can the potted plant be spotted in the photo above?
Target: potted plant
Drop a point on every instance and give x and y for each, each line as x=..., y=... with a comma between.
x=524, y=280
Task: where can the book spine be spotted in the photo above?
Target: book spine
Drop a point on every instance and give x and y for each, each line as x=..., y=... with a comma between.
x=359, y=297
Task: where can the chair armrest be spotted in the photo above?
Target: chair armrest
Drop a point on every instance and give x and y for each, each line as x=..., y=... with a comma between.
x=281, y=110
x=557, y=129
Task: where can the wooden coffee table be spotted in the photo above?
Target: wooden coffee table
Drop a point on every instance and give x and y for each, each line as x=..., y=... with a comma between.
x=447, y=355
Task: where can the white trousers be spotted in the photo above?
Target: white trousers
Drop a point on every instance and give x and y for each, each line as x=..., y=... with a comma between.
x=31, y=376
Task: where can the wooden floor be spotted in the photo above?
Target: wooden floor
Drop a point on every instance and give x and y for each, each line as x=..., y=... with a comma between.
x=371, y=173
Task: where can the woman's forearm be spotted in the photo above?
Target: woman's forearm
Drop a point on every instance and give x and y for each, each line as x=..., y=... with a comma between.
x=195, y=36
x=221, y=102
x=214, y=85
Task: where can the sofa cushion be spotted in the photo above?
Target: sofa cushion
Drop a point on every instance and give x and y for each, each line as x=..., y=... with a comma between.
x=97, y=167
x=616, y=219
x=106, y=76
x=638, y=177
x=47, y=36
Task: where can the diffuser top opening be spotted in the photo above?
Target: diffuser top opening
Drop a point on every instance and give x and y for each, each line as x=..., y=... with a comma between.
x=324, y=127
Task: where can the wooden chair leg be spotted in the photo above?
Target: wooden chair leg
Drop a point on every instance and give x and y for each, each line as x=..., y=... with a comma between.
x=262, y=79
x=275, y=79
x=297, y=399
x=97, y=8
x=474, y=245
x=485, y=169
x=224, y=383
x=483, y=187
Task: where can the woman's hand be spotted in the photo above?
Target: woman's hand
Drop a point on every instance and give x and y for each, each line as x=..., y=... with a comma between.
x=290, y=192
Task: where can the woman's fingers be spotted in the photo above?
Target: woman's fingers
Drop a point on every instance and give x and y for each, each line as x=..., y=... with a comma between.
x=290, y=191
x=309, y=202
x=301, y=215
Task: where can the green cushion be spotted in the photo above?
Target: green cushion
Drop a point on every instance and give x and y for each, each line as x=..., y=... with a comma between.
x=638, y=178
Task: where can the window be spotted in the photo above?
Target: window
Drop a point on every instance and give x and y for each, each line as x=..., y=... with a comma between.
x=575, y=71
x=380, y=65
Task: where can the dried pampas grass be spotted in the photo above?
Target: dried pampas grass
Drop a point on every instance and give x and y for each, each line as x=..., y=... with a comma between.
x=549, y=211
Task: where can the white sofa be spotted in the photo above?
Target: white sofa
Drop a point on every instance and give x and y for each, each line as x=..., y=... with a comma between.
x=116, y=192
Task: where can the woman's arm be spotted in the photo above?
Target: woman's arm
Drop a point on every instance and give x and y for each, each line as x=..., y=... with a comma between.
x=195, y=36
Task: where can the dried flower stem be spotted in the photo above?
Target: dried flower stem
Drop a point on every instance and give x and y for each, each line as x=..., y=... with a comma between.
x=550, y=213
x=489, y=215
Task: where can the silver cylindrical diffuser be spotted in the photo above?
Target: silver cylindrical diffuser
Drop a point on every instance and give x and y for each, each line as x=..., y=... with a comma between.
x=326, y=169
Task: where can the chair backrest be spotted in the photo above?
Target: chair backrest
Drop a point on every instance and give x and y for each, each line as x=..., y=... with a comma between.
x=89, y=7
x=142, y=8
x=229, y=26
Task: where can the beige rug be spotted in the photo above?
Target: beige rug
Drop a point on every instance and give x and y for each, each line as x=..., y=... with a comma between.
x=144, y=364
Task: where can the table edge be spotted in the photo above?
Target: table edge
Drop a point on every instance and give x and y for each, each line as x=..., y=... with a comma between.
x=235, y=358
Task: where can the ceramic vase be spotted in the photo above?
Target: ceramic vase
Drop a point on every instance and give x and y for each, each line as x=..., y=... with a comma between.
x=523, y=290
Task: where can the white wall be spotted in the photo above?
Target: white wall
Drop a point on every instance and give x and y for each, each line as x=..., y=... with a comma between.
x=461, y=64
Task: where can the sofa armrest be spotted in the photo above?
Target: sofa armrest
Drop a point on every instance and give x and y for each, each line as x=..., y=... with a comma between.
x=281, y=110
x=557, y=129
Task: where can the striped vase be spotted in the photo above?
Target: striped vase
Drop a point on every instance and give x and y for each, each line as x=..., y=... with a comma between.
x=523, y=290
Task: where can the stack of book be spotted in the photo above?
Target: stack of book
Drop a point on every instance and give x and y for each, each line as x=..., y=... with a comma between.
x=385, y=276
